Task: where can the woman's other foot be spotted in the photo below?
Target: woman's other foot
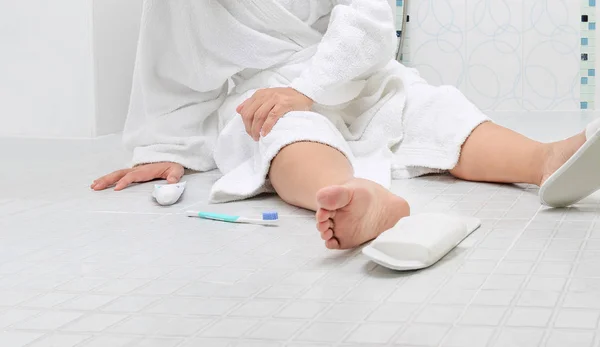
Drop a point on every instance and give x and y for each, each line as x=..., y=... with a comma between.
x=556, y=155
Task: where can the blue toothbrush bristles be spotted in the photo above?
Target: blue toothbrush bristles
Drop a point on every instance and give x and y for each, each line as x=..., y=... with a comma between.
x=271, y=215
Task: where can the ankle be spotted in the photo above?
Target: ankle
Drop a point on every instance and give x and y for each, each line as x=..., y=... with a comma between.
x=400, y=208
x=555, y=155
x=542, y=164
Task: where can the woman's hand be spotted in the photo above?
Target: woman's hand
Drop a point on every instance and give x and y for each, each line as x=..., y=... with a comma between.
x=266, y=106
x=171, y=172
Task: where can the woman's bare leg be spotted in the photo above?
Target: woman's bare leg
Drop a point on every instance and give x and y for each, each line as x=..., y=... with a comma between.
x=495, y=154
x=300, y=170
x=349, y=211
x=352, y=211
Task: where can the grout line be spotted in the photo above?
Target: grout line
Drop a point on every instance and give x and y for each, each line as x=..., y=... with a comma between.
x=496, y=267
x=569, y=279
x=423, y=305
x=514, y=304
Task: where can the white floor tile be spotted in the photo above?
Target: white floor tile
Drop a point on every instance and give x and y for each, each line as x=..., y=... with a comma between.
x=82, y=268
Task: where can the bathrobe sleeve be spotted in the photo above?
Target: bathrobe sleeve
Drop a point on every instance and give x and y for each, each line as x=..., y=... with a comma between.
x=178, y=88
x=177, y=125
x=360, y=39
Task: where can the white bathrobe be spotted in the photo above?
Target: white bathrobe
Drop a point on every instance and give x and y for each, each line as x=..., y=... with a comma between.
x=199, y=59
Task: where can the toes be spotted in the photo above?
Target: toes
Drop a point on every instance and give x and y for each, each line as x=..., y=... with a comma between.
x=327, y=235
x=332, y=243
x=323, y=226
x=324, y=215
x=334, y=198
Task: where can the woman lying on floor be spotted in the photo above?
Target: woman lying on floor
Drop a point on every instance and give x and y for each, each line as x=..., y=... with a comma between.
x=304, y=98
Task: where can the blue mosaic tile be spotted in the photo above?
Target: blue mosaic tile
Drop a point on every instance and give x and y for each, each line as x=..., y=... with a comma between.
x=587, y=65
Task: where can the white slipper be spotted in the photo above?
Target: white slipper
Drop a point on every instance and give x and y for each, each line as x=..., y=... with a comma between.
x=420, y=241
x=579, y=177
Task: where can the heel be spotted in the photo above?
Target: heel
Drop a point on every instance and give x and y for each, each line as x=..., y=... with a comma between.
x=592, y=129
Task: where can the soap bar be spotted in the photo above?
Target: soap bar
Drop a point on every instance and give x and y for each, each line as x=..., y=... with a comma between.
x=419, y=241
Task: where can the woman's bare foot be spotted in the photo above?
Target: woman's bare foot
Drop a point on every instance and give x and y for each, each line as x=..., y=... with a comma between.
x=357, y=212
x=557, y=153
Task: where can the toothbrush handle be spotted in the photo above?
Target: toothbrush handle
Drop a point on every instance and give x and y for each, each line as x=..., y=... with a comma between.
x=229, y=218
x=256, y=221
x=214, y=216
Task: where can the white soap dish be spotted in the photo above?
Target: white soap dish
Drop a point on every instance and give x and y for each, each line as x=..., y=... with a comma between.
x=420, y=241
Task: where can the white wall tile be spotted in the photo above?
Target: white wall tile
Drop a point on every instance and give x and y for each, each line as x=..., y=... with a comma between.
x=505, y=55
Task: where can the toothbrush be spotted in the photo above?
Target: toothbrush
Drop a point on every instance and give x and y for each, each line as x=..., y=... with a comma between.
x=268, y=218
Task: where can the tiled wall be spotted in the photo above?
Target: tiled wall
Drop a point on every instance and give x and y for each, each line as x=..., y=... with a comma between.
x=588, y=54
x=507, y=55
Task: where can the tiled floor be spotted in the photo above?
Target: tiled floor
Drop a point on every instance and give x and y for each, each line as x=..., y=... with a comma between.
x=84, y=269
